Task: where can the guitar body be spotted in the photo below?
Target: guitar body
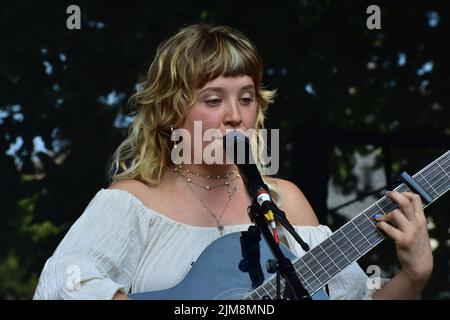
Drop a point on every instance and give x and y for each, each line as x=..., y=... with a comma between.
x=228, y=269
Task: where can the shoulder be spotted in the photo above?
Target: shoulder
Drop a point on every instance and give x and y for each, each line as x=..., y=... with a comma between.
x=295, y=205
x=135, y=187
x=127, y=185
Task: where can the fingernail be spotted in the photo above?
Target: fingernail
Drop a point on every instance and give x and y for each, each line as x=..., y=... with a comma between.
x=378, y=216
x=386, y=192
x=377, y=223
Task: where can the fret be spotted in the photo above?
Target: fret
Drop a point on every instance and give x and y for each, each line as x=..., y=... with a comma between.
x=331, y=265
x=344, y=248
x=310, y=261
x=402, y=188
x=323, y=277
x=445, y=188
x=311, y=281
x=375, y=235
x=426, y=181
x=301, y=273
x=351, y=243
x=431, y=181
x=341, y=255
x=443, y=185
x=363, y=223
x=381, y=209
x=354, y=237
x=254, y=295
x=257, y=293
x=428, y=170
x=321, y=264
x=370, y=212
x=268, y=294
x=362, y=233
x=444, y=162
x=273, y=287
x=283, y=286
x=445, y=172
x=378, y=237
x=273, y=282
x=301, y=270
x=432, y=172
x=435, y=175
x=386, y=204
x=368, y=226
x=306, y=256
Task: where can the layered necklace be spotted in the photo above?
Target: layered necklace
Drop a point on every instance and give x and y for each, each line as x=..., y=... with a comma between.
x=229, y=180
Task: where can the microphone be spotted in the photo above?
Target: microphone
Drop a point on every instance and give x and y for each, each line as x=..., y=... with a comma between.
x=238, y=149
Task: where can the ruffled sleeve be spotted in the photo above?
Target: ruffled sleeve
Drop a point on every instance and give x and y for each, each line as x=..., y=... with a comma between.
x=349, y=284
x=99, y=254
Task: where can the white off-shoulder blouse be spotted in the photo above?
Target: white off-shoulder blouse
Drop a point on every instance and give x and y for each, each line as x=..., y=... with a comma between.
x=118, y=243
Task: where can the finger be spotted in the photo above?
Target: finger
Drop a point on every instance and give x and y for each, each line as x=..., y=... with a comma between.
x=389, y=230
x=397, y=217
x=417, y=203
x=404, y=203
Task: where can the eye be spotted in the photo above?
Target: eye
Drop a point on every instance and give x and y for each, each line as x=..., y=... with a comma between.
x=213, y=102
x=246, y=100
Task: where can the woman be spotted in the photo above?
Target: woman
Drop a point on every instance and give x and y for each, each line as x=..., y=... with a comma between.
x=145, y=231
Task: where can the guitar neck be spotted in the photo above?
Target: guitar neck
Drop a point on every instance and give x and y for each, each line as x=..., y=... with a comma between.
x=358, y=236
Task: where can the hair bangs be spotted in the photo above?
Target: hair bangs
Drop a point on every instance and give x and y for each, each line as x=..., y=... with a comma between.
x=226, y=57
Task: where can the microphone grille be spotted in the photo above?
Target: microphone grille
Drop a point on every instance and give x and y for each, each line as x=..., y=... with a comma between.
x=237, y=148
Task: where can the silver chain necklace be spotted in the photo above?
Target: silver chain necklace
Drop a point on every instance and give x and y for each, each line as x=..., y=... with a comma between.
x=208, y=186
x=218, y=219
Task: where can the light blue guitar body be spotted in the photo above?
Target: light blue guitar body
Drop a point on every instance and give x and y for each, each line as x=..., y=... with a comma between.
x=220, y=272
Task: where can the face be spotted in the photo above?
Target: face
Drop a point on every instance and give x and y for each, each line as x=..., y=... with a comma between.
x=224, y=103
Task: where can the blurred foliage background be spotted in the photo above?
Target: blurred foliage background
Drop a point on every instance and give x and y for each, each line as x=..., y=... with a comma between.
x=355, y=106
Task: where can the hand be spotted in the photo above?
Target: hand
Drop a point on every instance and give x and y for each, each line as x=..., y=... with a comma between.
x=410, y=235
x=120, y=296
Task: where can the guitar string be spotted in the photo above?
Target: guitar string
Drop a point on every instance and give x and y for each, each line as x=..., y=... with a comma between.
x=320, y=280
x=364, y=221
x=370, y=236
x=325, y=259
x=443, y=167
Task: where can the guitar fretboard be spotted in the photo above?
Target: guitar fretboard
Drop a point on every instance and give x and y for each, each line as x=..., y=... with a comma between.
x=358, y=236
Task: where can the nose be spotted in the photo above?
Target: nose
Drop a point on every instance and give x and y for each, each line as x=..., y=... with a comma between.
x=233, y=116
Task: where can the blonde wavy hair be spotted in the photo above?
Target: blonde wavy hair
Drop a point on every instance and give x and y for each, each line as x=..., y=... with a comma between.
x=183, y=64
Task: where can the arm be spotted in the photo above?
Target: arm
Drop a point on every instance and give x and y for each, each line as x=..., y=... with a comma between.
x=103, y=247
x=295, y=205
x=412, y=244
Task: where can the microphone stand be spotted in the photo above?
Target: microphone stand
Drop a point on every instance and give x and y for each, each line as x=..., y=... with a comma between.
x=285, y=266
x=280, y=216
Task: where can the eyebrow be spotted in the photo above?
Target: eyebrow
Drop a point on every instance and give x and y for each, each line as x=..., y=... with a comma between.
x=220, y=89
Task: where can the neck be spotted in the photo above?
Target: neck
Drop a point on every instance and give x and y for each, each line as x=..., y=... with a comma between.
x=210, y=170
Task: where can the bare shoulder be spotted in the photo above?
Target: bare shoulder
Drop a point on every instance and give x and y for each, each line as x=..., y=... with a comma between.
x=135, y=187
x=295, y=205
